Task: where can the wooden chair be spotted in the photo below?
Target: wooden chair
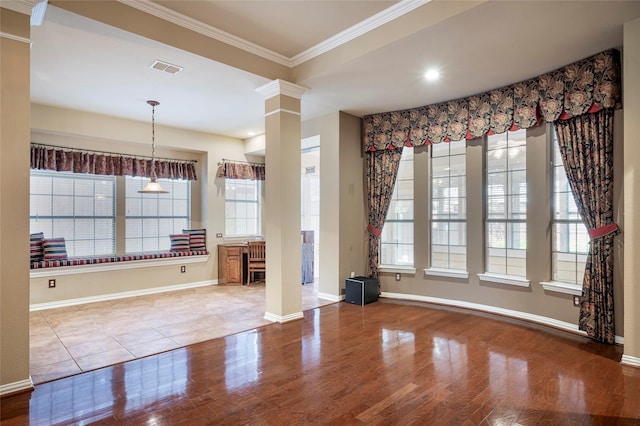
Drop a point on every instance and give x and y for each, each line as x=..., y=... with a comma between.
x=256, y=259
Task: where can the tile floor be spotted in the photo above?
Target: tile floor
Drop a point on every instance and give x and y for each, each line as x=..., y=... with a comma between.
x=70, y=340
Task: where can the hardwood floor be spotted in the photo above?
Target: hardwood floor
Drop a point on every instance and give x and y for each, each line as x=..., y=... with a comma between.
x=384, y=363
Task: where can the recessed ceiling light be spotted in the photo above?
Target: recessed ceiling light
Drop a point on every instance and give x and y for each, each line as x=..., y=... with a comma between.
x=252, y=133
x=432, y=74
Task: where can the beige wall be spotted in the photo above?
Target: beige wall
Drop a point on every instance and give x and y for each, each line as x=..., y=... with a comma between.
x=630, y=227
x=78, y=129
x=342, y=215
x=532, y=300
x=14, y=201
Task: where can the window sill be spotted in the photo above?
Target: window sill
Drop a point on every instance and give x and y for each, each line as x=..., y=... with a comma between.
x=450, y=273
x=504, y=279
x=560, y=287
x=116, y=266
x=397, y=269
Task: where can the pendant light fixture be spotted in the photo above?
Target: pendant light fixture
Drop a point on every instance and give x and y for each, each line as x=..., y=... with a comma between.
x=153, y=187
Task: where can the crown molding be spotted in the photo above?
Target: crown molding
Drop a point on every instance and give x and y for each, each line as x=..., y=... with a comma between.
x=281, y=87
x=398, y=9
x=184, y=21
x=14, y=37
x=393, y=12
x=21, y=6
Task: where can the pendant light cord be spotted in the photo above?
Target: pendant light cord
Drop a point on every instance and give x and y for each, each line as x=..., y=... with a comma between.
x=153, y=104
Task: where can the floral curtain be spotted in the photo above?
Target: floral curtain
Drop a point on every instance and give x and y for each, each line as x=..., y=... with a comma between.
x=382, y=169
x=586, y=146
x=584, y=86
x=60, y=159
x=237, y=170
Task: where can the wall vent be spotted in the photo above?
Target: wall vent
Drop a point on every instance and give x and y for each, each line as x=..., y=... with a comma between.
x=166, y=67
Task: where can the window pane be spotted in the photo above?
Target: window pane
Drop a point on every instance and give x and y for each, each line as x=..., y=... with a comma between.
x=242, y=207
x=570, y=244
x=396, y=241
x=77, y=207
x=506, y=203
x=448, y=205
x=151, y=218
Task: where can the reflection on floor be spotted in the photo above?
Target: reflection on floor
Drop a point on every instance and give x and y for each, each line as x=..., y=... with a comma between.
x=70, y=340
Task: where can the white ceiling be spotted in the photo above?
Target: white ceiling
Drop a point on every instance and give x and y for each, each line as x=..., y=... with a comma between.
x=80, y=63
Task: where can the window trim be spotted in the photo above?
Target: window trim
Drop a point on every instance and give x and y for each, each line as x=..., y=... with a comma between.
x=397, y=268
x=449, y=273
x=562, y=287
x=504, y=279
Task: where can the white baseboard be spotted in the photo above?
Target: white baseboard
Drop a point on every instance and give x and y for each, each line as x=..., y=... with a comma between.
x=550, y=322
x=630, y=360
x=330, y=296
x=286, y=318
x=22, y=385
x=113, y=296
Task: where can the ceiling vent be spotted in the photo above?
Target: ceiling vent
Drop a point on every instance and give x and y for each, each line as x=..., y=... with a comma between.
x=166, y=67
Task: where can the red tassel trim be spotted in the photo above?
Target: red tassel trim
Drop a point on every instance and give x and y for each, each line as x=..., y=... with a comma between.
x=375, y=231
x=602, y=231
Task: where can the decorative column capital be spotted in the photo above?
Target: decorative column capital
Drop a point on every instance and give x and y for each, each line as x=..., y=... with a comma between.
x=281, y=87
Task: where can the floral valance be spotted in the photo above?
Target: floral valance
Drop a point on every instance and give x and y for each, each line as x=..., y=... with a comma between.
x=584, y=86
x=61, y=159
x=242, y=170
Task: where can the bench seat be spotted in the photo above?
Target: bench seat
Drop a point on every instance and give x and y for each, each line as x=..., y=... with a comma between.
x=77, y=261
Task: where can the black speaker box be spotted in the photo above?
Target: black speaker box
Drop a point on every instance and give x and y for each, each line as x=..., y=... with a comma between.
x=361, y=290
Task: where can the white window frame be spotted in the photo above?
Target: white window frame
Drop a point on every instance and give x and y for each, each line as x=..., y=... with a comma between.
x=395, y=218
x=76, y=203
x=249, y=222
x=447, y=200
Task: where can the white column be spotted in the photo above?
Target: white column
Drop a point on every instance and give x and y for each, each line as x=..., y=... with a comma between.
x=15, y=112
x=282, y=200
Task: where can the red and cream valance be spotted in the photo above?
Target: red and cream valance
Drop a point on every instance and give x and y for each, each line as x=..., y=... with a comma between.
x=242, y=170
x=584, y=86
x=45, y=157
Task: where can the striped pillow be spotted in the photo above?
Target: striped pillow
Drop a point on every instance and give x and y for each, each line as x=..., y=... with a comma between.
x=54, y=248
x=197, y=239
x=179, y=242
x=36, y=251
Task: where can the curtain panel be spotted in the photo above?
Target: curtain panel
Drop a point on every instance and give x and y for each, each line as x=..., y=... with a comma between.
x=251, y=171
x=588, y=85
x=70, y=160
x=382, y=169
x=586, y=147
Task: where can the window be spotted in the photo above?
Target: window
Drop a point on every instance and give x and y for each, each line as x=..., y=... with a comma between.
x=570, y=238
x=506, y=223
x=78, y=207
x=449, y=205
x=396, y=241
x=151, y=218
x=242, y=207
